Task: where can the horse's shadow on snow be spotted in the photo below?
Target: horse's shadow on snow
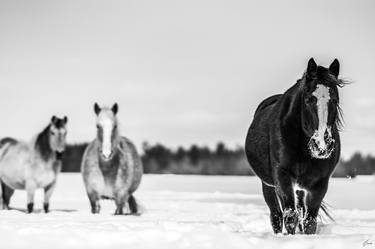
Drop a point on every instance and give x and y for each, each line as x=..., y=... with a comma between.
x=38, y=211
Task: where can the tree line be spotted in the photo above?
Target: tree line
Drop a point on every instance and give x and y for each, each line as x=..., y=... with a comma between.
x=202, y=160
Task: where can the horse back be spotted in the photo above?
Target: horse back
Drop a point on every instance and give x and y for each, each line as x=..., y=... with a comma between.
x=268, y=102
x=257, y=145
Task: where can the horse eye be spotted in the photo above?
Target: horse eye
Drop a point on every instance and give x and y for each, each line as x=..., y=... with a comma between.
x=52, y=133
x=310, y=100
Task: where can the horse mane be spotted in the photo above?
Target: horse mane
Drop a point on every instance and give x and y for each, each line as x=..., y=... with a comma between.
x=42, y=144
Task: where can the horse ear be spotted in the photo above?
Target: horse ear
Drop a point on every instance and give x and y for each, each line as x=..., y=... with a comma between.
x=334, y=68
x=97, y=108
x=311, y=66
x=53, y=119
x=115, y=108
x=65, y=119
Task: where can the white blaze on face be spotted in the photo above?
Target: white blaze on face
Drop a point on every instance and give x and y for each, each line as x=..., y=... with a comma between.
x=107, y=125
x=322, y=95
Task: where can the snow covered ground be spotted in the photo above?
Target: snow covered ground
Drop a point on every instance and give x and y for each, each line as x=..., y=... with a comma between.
x=185, y=212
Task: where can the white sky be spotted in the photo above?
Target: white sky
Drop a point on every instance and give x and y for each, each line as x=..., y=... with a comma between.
x=182, y=71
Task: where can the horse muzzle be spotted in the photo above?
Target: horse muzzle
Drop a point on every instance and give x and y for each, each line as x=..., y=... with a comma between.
x=321, y=147
x=106, y=156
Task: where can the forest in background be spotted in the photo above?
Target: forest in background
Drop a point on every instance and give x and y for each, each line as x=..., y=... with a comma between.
x=201, y=160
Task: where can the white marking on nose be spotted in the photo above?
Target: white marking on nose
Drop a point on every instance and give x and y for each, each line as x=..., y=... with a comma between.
x=322, y=95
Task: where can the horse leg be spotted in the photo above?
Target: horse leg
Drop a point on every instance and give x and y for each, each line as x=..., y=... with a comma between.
x=133, y=206
x=286, y=192
x=120, y=200
x=94, y=202
x=47, y=195
x=7, y=194
x=2, y=202
x=276, y=215
x=30, y=190
x=301, y=208
x=313, y=202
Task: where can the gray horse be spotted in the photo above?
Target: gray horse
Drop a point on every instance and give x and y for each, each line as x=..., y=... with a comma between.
x=111, y=166
x=32, y=165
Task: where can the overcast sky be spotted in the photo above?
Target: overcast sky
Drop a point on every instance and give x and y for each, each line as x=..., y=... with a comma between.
x=182, y=71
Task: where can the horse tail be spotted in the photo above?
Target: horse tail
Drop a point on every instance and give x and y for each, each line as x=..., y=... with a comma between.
x=326, y=210
x=5, y=143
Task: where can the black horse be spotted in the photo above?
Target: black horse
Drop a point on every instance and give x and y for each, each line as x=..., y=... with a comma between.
x=293, y=145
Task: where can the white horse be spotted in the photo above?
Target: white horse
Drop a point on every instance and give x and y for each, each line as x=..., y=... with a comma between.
x=111, y=166
x=32, y=165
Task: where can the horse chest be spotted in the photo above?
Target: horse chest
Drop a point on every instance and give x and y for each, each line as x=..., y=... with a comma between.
x=109, y=186
x=307, y=174
x=45, y=178
x=112, y=179
x=42, y=174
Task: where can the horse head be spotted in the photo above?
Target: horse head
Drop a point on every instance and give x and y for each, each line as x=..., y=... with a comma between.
x=57, y=134
x=320, y=110
x=107, y=131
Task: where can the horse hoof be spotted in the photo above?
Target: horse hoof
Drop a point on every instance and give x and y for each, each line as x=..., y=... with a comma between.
x=290, y=221
x=277, y=223
x=95, y=211
x=310, y=226
x=46, y=207
x=30, y=207
x=119, y=211
x=95, y=208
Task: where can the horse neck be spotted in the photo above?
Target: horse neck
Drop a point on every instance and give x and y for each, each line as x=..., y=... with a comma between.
x=42, y=146
x=291, y=121
x=290, y=113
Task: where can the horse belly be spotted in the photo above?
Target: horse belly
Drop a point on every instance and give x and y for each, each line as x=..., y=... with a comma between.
x=13, y=168
x=137, y=177
x=257, y=153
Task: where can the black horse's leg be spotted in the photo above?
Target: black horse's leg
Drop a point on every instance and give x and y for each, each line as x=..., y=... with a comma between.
x=313, y=202
x=7, y=194
x=133, y=206
x=285, y=191
x=30, y=191
x=47, y=195
x=2, y=202
x=301, y=208
x=276, y=215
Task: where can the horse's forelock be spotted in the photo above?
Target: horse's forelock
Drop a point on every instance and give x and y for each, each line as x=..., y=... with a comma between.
x=59, y=123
